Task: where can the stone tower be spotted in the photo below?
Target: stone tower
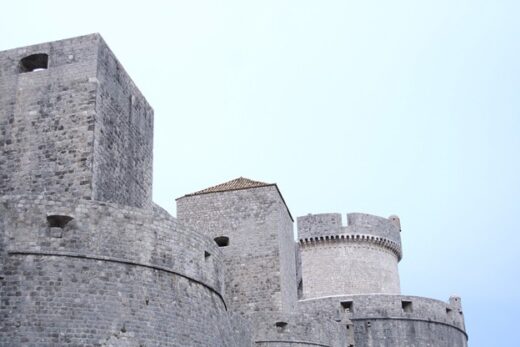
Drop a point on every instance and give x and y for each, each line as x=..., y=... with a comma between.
x=253, y=226
x=358, y=258
x=72, y=123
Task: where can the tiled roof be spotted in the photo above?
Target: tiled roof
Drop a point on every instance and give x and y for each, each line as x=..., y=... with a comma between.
x=236, y=184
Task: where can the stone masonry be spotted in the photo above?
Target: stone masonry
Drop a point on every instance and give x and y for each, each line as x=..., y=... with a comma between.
x=87, y=258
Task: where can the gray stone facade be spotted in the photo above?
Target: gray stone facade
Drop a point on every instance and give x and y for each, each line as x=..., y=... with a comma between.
x=77, y=127
x=87, y=259
x=358, y=258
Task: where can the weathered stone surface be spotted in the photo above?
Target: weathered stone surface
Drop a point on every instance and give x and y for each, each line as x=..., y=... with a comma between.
x=87, y=259
x=78, y=128
x=358, y=258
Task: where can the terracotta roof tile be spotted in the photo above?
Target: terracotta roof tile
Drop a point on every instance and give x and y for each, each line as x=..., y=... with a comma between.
x=236, y=184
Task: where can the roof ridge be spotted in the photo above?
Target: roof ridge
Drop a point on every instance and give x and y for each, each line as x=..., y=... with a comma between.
x=234, y=184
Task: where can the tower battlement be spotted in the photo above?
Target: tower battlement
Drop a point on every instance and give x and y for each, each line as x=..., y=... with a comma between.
x=360, y=257
x=327, y=226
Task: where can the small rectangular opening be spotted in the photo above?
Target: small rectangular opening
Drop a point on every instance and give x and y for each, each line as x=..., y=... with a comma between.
x=58, y=221
x=347, y=305
x=206, y=254
x=407, y=306
x=280, y=326
x=448, y=310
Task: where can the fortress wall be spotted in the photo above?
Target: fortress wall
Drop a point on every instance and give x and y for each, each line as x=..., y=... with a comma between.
x=397, y=320
x=113, y=232
x=330, y=224
x=288, y=261
x=337, y=267
x=276, y=329
x=323, y=224
x=75, y=301
x=111, y=274
x=361, y=257
x=256, y=222
x=79, y=128
x=242, y=330
x=123, y=147
x=362, y=223
x=46, y=119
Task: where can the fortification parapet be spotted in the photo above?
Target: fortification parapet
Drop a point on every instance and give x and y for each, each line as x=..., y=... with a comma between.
x=111, y=232
x=411, y=320
x=316, y=225
x=278, y=329
x=358, y=258
x=363, y=227
x=387, y=228
x=108, y=266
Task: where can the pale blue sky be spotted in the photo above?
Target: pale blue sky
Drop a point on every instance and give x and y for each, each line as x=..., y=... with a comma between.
x=402, y=107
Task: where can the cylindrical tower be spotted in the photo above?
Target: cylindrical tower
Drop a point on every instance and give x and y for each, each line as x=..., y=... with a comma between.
x=358, y=258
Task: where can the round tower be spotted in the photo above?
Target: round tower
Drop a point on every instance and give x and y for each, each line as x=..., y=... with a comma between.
x=360, y=258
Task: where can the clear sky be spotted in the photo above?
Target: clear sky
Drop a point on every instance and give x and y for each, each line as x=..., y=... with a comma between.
x=385, y=107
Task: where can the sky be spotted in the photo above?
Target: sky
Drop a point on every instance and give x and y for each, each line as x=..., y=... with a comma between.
x=401, y=107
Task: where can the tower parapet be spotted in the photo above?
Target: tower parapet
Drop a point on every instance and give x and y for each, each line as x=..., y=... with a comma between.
x=360, y=257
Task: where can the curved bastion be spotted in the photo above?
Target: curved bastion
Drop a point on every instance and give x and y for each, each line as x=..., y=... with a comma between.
x=281, y=329
x=397, y=320
x=360, y=257
x=78, y=272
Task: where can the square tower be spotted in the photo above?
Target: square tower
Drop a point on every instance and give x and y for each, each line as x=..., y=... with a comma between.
x=72, y=123
x=252, y=224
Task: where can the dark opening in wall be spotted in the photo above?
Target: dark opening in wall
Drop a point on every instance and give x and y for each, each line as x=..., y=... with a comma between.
x=222, y=241
x=448, y=310
x=407, y=306
x=58, y=221
x=347, y=305
x=206, y=254
x=280, y=326
x=34, y=62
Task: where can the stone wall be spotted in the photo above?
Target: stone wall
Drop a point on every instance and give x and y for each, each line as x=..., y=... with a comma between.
x=78, y=127
x=87, y=273
x=397, y=320
x=123, y=147
x=361, y=257
x=276, y=329
x=337, y=267
x=47, y=119
x=260, y=257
